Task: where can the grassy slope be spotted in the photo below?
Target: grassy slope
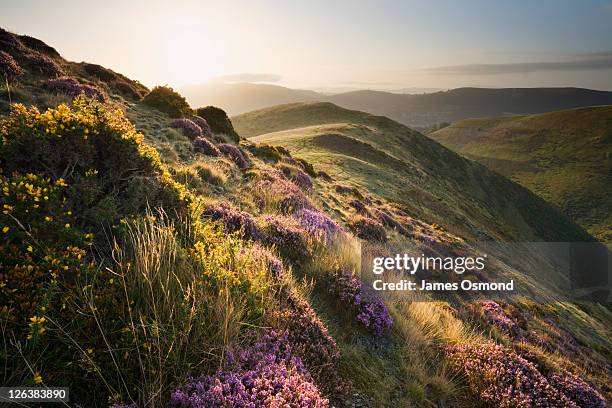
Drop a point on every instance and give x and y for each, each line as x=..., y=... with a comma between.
x=406, y=167
x=565, y=157
x=387, y=160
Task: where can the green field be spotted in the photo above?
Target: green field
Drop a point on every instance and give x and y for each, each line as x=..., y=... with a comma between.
x=565, y=157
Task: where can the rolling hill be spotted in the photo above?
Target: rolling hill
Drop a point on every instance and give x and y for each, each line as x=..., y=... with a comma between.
x=150, y=256
x=414, y=110
x=402, y=165
x=565, y=157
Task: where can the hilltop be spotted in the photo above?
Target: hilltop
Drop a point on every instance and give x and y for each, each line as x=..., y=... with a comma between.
x=563, y=156
x=414, y=110
x=151, y=255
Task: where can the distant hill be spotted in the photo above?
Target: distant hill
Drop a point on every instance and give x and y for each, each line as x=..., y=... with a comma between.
x=400, y=164
x=462, y=103
x=420, y=110
x=244, y=97
x=564, y=157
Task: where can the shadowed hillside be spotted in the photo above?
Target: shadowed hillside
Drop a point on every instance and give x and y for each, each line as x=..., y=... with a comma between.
x=398, y=163
x=565, y=157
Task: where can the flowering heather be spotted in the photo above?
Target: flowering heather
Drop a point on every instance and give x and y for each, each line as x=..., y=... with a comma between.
x=495, y=315
x=71, y=87
x=427, y=239
x=233, y=220
x=342, y=189
x=10, y=42
x=43, y=64
x=391, y=222
x=370, y=309
x=368, y=229
x=501, y=378
x=286, y=234
x=291, y=198
x=274, y=265
x=206, y=147
x=203, y=124
x=310, y=339
x=576, y=389
x=188, y=127
x=235, y=154
x=264, y=375
x=324, y=175
x=302, y=179
x=9, y=68
x=359, y=206
x=317, y=223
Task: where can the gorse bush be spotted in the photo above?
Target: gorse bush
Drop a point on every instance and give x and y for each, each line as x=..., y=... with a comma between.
x=167, y=100
x=307, y=166
x=40, y=245
x=88, y=145
x=53, y=285
x=218, y=121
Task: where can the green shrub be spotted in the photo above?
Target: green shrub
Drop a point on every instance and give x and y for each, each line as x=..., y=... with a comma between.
x=308, y=168
x=265, y=152
x=218, y=121
x=167, y=100
x=110, y=172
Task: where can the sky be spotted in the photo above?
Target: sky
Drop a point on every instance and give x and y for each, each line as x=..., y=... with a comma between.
x=332, y=44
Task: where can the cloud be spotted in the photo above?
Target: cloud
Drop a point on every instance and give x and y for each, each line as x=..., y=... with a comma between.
x=575, y=62
x=249, y=77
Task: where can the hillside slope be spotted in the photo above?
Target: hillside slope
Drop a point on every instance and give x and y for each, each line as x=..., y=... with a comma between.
x=400, y=164
x=565, y=157
x=152, y=257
